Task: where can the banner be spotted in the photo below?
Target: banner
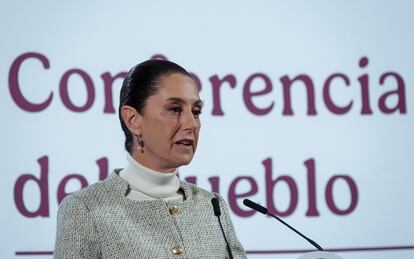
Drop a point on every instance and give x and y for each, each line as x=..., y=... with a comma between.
x=307, y=111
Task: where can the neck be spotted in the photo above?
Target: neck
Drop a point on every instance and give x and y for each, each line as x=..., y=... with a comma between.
x=146, y=183
x=143, y=159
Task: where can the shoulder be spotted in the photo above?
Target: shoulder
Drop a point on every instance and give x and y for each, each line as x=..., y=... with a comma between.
x=96, y=194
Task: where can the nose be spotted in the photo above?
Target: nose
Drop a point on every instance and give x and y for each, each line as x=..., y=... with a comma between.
x=189, y=122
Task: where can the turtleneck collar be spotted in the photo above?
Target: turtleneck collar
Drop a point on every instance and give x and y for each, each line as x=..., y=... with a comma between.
x=148, y=184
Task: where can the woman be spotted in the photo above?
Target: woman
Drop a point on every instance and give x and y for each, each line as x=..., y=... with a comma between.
x=144, y=210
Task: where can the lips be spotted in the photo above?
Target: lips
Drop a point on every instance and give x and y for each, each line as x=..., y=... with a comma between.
x=185, y=142
x=185, y=145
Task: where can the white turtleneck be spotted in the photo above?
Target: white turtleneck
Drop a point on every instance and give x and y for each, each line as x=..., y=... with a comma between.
x=147, y=184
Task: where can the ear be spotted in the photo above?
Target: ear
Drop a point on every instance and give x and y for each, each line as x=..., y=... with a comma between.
x=132, y=119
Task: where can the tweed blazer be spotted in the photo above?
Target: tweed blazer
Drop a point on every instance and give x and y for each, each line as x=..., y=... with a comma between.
x=100, y=222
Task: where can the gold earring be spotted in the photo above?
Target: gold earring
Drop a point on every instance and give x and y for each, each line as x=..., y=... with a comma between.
x=140, y=143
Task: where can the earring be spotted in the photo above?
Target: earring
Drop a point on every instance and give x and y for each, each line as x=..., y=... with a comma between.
x=140, y=143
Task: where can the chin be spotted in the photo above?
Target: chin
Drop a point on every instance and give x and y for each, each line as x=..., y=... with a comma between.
x=183, y=161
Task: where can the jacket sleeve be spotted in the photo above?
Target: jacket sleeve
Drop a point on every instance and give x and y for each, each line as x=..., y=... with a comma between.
x=234, y=243
x=75, y=236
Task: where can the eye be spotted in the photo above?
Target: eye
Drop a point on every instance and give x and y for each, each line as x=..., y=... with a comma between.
x=196, y=113
x=175, y=110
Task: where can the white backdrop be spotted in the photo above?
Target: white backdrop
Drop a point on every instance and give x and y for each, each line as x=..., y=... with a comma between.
x=351, y=173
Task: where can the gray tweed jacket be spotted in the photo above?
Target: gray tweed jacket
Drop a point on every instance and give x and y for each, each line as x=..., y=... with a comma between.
x=100, y=222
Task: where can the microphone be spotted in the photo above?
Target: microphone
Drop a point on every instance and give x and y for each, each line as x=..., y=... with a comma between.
x=217, y=212
x=264, y=210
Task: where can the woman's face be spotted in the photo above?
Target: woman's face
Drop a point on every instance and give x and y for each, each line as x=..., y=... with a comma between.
x=170, y=124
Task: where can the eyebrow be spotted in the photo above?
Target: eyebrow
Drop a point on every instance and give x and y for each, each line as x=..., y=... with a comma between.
x=180, y=100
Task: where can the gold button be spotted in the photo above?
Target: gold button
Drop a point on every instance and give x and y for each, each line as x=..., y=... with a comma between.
x=174, y=210
x=178, y=250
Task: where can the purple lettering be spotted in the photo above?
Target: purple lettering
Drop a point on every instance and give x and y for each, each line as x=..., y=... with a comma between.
x=310, y=93
x=327, y=96
x=270, y=186
x=108, y=89
x=64, y=92
x=216, y=84
x=364, y=82
x=248, y=94
x=400, y=92
x=159, y=56
x=103, y=168
x=42, y=183
x=233, y=196
x=311, y=175
x=14, y=86
x=61, y=193
x=214, y=181
x=330, y=199
x=191, y=179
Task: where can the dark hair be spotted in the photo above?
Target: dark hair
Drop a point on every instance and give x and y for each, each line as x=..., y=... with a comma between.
x=141, y=83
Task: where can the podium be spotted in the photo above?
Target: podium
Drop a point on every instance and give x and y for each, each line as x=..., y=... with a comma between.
x=320, y=255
